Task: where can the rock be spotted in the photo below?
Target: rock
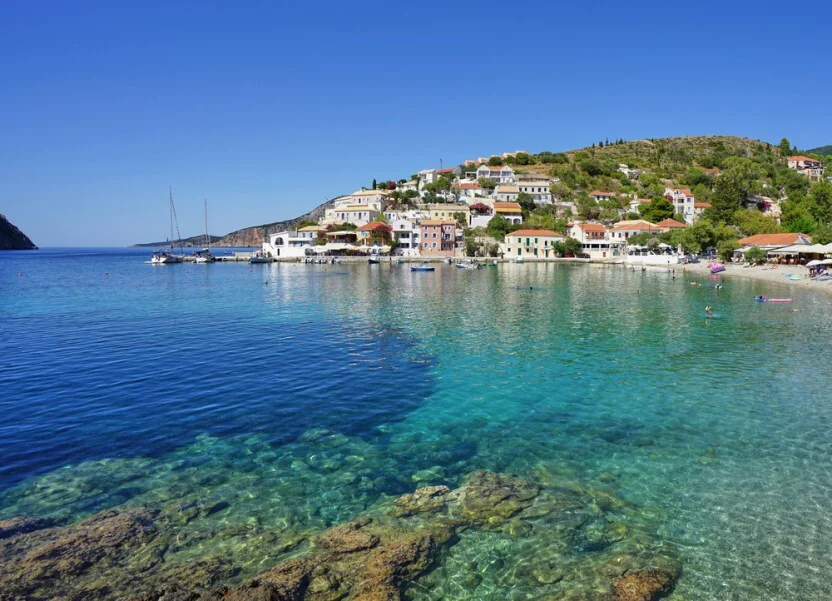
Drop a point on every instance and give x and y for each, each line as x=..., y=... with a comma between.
x=643, y=585
x=490, y=499
x=12, y=238
x=216, y=507
x=423, y=500
x=348, y=538
x=15, y=526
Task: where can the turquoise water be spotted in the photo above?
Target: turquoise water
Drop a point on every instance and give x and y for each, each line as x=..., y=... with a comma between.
x=300, y=396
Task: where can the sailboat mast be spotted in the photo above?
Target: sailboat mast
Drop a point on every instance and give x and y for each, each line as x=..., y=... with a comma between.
x=170, y=211
x=207, y=237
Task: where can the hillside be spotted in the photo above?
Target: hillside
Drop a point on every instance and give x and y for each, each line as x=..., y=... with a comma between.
x=193, y=241
x=11, y=238
x=822, y=150
x=248, y=237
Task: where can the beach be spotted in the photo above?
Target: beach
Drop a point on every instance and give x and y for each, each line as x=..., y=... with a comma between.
x=764, y=273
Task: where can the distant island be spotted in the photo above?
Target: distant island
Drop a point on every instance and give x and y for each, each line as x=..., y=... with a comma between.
x=11, y=238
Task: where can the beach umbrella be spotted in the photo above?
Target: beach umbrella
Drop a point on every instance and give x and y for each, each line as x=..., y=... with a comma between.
x=813, y=263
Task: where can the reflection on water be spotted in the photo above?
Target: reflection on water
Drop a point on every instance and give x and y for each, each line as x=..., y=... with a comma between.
x=711, y=435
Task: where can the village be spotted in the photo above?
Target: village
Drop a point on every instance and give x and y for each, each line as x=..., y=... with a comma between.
x=481, y=209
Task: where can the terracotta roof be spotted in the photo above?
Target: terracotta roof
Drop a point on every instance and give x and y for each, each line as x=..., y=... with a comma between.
x=645, y=201
x=541, y=233
x=467, y=187
x=800, y=157
x=600, y=193
x=373, y=225
x=371, y=193
x=449, y=170
x=507, y=207
x=506, y=189
x=702, y=205
x=671, y=223
x=772, y=240
x=438, y=222
x=592, y=227
x=635, y=225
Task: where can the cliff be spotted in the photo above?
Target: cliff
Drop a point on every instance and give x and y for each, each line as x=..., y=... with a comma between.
x=12, y=238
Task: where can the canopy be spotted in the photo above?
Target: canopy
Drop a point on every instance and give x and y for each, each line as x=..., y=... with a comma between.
x=803, y=249
x=794, y=249
x=813, y=263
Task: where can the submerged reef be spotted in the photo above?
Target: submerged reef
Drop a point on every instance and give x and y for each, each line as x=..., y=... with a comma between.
x=493, y=536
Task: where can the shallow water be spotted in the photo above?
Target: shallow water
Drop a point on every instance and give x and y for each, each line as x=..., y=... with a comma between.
x=301, y=396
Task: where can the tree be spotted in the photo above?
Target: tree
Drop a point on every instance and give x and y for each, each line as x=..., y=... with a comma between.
x=495, y=162
x=461, y=219
x=755, y=255
x=374, y=184
x=498, y=227
x=526, y=202
x=752, y=222
x=659, y=209
x=785, y=147
x=587, y=207
x=821, y=195
x=725, y=249
x=572, y=247
x=486, y=183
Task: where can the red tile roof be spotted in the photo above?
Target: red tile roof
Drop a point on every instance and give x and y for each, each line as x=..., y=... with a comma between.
x=702, y=205
x=467, y=187
x=671, y=224
x=599, y=193
x=591, y=227
x=449, y=170
x=800, y=157
x=372, y=226
x=772, y=239
x=541, y=233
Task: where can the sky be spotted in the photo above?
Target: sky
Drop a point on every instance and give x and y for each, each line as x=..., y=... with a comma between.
x=267, y=109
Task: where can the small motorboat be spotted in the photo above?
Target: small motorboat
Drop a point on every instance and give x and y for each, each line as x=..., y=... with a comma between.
x=466, y=265
x=260, y=257
x=422, y=268
x=372, y=261
x=518, y=260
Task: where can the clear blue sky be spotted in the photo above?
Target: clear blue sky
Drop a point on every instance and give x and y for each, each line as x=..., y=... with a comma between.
x=269, y=108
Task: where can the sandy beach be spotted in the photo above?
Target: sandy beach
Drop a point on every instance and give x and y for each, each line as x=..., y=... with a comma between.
x=765, y=273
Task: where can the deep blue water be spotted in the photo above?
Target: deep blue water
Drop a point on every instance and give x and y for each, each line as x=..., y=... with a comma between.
x=124, y=382
x=105, y=356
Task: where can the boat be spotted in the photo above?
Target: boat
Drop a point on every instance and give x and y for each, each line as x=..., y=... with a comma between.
x=399, y=261
x=466, y=265
x=422, y=268
x=762, y=299
x=260, y=257
x=716, y=267
x=167, y=257
x=373, y=261
x=518, y=260
x=205, y=255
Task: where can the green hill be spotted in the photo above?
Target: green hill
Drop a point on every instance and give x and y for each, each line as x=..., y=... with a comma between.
x=822, y=150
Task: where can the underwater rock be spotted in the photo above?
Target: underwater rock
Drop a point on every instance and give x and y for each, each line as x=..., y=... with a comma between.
x=348, y=537
x=38, y=563
x=490, y=499
x=644, y=585
x=422, y=500
x=15, y=526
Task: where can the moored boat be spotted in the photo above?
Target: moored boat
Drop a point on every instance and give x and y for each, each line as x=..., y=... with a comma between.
x=167, y=257
x=422, y=268
x=260, y=257
x=164, y=257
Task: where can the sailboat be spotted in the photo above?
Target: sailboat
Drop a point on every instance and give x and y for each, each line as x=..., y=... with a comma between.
x=204, y=255
x=167, y=257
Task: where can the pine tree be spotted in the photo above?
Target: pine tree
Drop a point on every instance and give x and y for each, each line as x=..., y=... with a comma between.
x=375, y=184
x=785, y=147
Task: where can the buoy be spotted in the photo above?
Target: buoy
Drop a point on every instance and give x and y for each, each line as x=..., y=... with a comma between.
x=20, y=275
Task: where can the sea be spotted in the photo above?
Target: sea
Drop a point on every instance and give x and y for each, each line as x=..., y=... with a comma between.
x=296, y=397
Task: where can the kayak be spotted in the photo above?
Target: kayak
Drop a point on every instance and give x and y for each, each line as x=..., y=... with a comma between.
x=773, y=300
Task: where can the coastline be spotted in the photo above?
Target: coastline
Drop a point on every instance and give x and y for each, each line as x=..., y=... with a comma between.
x=764, y=273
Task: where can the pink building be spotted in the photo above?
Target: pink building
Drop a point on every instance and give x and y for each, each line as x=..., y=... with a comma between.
x=439, y=238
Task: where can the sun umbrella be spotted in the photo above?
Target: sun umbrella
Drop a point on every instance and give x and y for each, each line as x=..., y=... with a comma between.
x=813, y=263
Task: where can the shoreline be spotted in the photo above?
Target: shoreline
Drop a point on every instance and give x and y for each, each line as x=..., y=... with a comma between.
x=764, y=274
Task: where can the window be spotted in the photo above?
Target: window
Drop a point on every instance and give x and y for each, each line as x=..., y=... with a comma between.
x=434, y=245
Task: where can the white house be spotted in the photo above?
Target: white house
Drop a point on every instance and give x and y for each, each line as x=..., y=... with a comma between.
x=637, y=203
x=510, y=211
x=586, y=232
x=631, y=173
x=356, y=214
x=466, y=190
x=539, y=189
x=501, y=175
x=506, y=193
x=288, y=243
x=600, y=195
x=425, y=177
x=407, y=186
x=808, y=166
x=624, y=230
x=683, y=203
x=406, y=233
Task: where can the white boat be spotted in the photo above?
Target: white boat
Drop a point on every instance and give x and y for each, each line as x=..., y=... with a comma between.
x=518, y=260
x=164, y=257
x=167, y=257
x=260, y=257
x=467, y=265
x=205, y=255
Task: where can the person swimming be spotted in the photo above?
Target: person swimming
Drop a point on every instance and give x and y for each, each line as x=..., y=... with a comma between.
x=709, y=312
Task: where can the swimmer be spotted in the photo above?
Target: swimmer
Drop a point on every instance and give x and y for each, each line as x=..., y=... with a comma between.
x=708, y=312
